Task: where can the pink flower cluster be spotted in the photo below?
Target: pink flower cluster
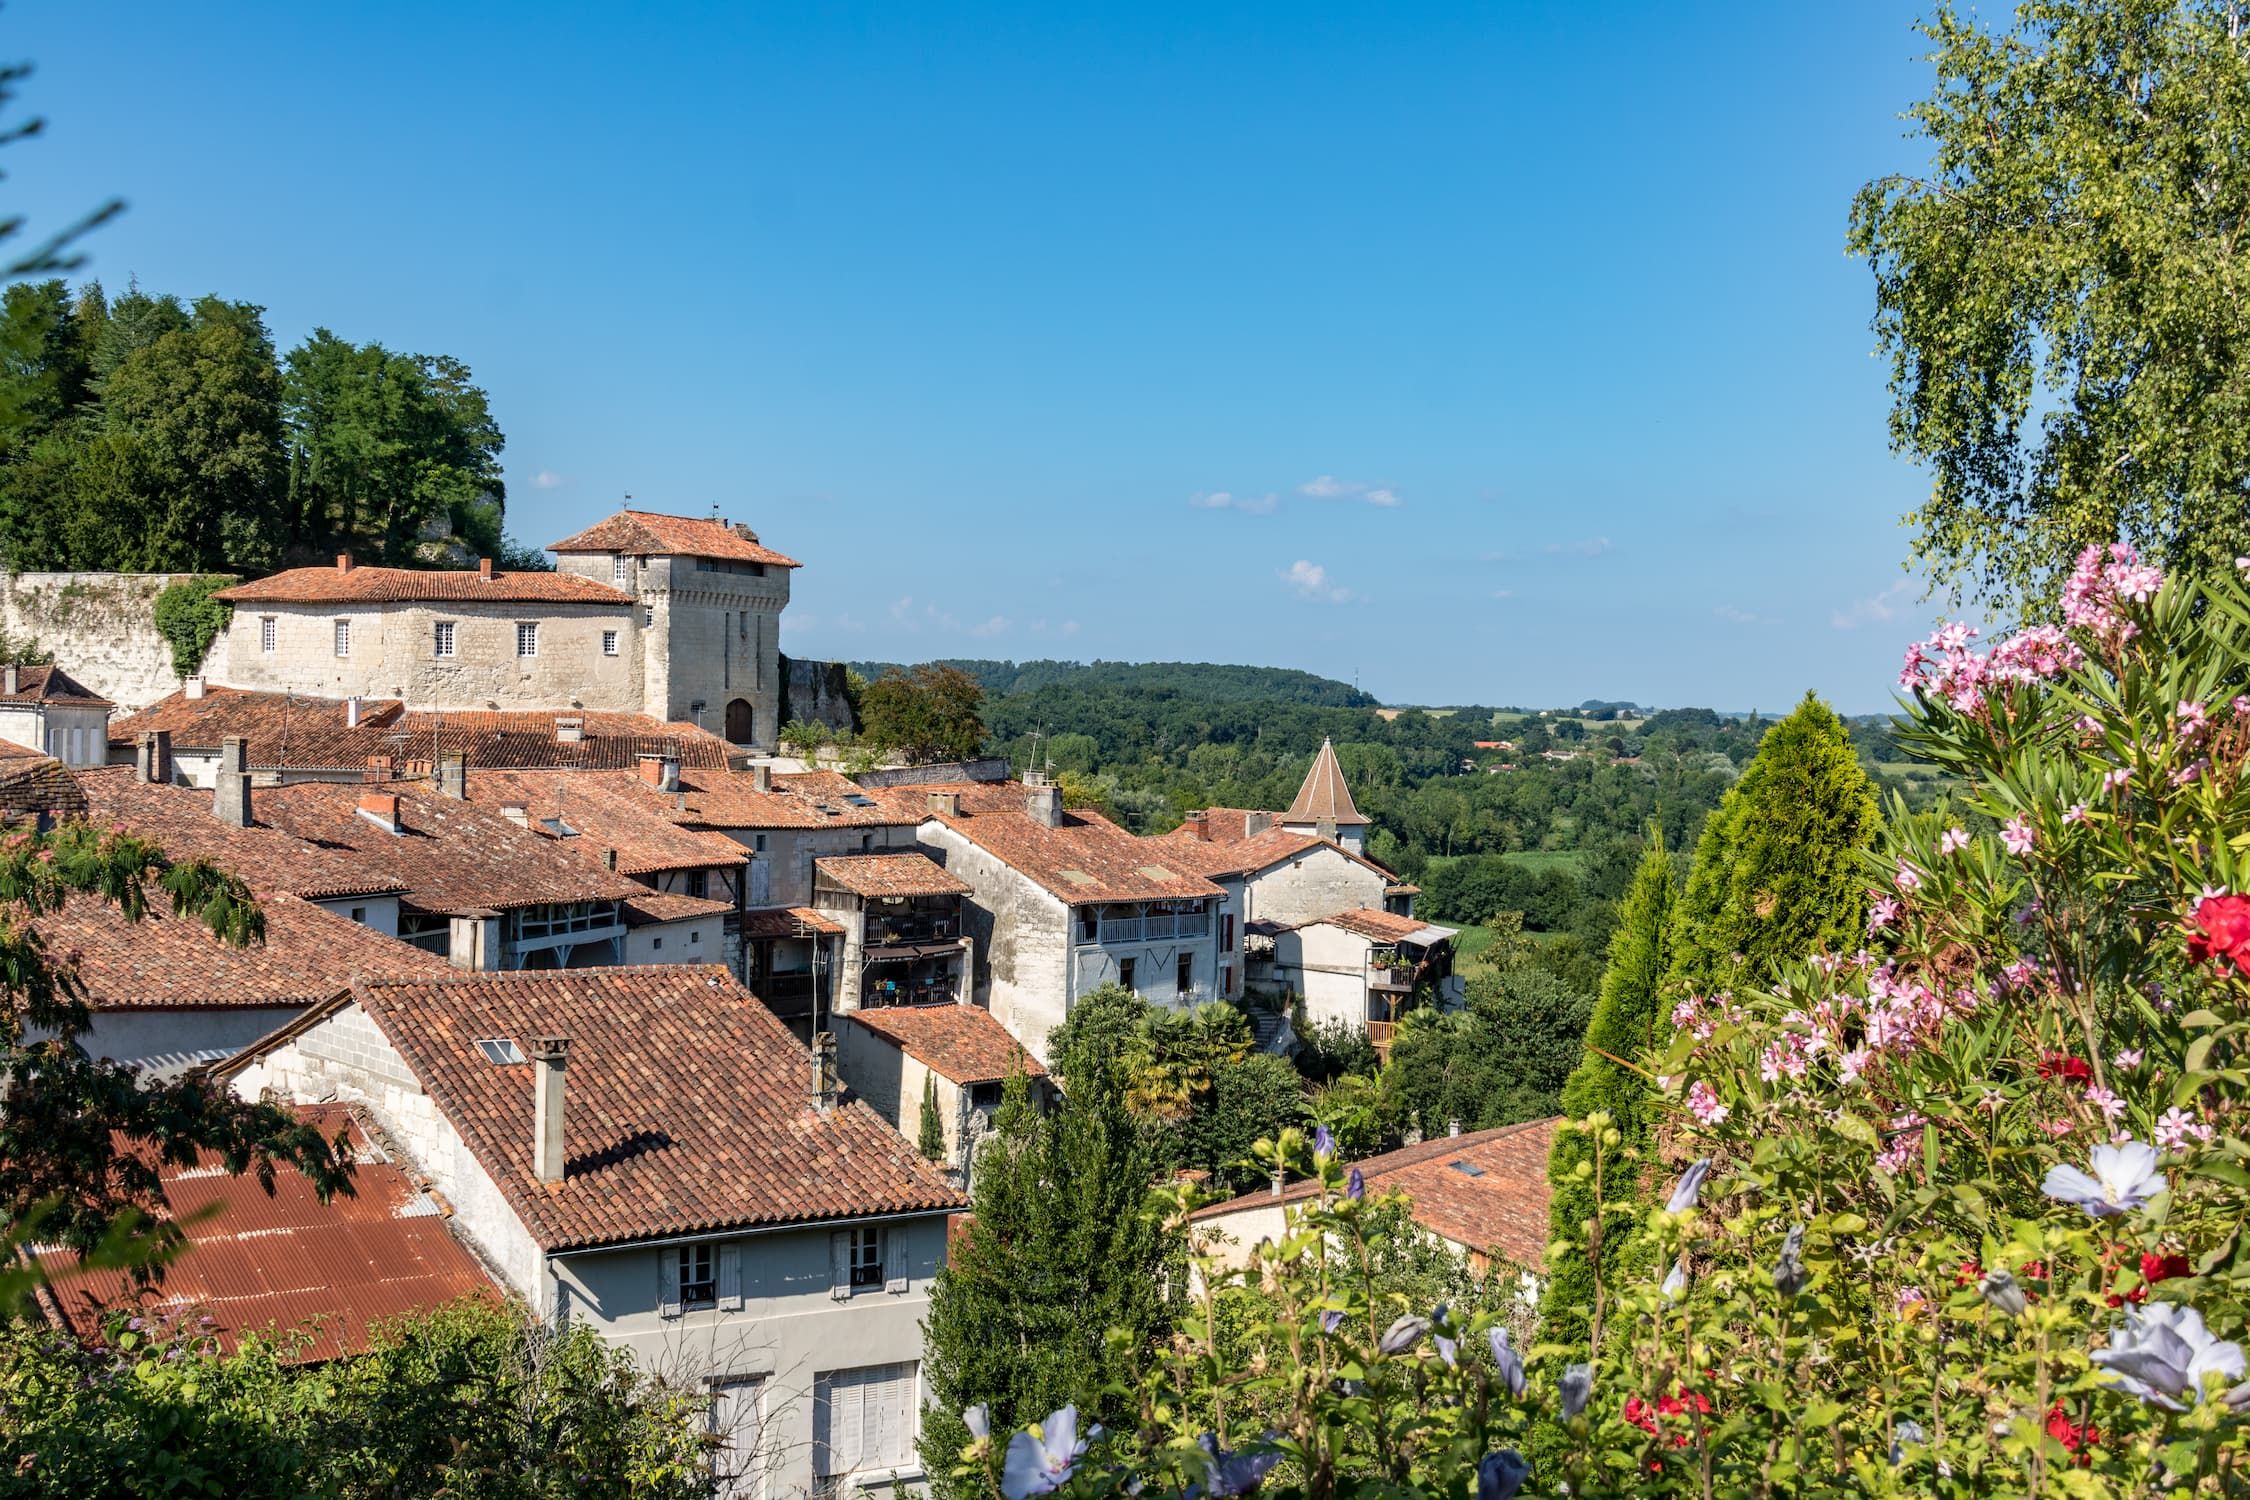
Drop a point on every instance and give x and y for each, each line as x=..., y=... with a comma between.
x=1944, y=666
x=1701, y=1017
x=2102, y=584
x=1703, y=1103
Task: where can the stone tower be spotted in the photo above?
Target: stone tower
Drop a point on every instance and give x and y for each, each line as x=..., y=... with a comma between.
x=709, y=629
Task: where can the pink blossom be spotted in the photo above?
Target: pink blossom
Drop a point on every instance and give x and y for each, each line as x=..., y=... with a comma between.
x=1853, y=1063
x=1952, y=841
x=2127, y=1059
x=1703, y=1103
x=2192, y=718
x=2173, y=1127
x=2191, y=770
x=2112, y=780
x=1907, y=878
x=2102, y=1099
x=1882, y=912
x=2056, y=1127
x=2241, y=705
x=1901, y=1153
x=2016, y=834
x=2077, y=814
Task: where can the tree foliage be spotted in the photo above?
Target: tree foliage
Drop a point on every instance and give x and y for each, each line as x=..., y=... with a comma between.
x=930, y=1137
x=2060, y=291
x=1500, y=1060
x=927, y=714
x=1779, y=871
x=189, y=619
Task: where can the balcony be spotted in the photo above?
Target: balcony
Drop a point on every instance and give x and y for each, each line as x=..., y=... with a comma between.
x=908, y=932
x=1153, y=927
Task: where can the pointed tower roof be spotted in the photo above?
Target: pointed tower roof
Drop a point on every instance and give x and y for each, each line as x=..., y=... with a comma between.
x=1324, y=797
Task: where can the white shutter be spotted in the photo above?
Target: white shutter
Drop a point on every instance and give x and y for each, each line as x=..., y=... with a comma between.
x=668, y=1282
x=730, y=1278
x=562, y=1305
x=894, y=1261
x=840, y=1265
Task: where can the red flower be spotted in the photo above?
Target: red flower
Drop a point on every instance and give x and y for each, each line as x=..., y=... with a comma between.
x=1969, y=1274
x=2155, y=1268
x=1643, y=1416
x=2076, y=1437
x=2221, y=931
x=2063, y=1065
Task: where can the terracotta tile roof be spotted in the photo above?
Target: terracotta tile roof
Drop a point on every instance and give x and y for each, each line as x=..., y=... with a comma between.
x=1225, y=825
x=52, y=685
x=1500, y=1204
x=771, y=922
x=453, y=857
x=1324, y=794
x=35, y=783
x=889, y=875
x=287, y=1260
x=174, y=963
x=662, y=906
x=806, y=799
x=645, y=533
x=1384, y=926
x=286, y=729
x=1087, y=858
x=1238, y=856
x=960, y=1042
x=332, y=585
x=179, y=819
x=610, y=810
x=687, y=1104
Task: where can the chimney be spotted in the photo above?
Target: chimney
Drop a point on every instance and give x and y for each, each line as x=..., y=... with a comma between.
x=381, y=809
x=516, y=813
x=569, y=731
x=152, y=757
x=549, y=1055
x=9, y=681
x=1326, y=828
x=609, y=860
x=1276, y=1189
x=351, y=712
x=343, y=562
x=1042, y=799
x=473, y=942
x=1256, y=823
x=484, y=569
x=231, y=802
x=661, y=770
x=1453, y=1127
x=378, y=768
x=1199, y=826
x=824, y=1071
x=193, y=687
x=761, y=778
x=452, y=774
x=945, y=804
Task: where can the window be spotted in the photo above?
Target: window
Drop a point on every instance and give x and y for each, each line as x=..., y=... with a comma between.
x=863, y=1419
x=620, y=569
x=695, y=938
x=757, y=843
x=699, y=1276
x=867, y=1259
x=737, y=1424
x=660, y=945
x=699, y=884
x=527, y=638
x=1226, y=980
x=1125, y=972
x=648, y=615
x=343, y=637
x=442, y=638
x=1089, y=924
x=359, y=915
x=609, y=643
x=1226, y=932
x=266, y=633
x=1186, y=975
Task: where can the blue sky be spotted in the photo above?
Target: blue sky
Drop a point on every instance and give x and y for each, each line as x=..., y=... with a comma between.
x=1492, y=353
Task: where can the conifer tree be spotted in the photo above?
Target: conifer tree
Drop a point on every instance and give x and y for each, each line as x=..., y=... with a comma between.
x=1778, y=871
x=1062, y=1248
x=931, y=1138
x=1623, y=1030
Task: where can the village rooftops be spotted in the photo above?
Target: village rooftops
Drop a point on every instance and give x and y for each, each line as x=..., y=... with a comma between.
x=46, y=685
x=347, y=583
x=1215, y=857
x=879, y=875
x=281, y=1261
x=1486, y=1190
x=593, y=811
x=646, y=533
x=1386, y=927
x=168, y=962
x=294, y=732
x=1082, y=858
x=31, y=782
x=805, y=799
x=959, y=1042
x=688, y=1106
x=453, y=857
x=180, y=821
x=766, y=923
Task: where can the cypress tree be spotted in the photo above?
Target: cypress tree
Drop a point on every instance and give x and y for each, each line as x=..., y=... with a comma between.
x=931, y=1138
x=1062, y=1248
x=1624, y=1026
x=1778, y=871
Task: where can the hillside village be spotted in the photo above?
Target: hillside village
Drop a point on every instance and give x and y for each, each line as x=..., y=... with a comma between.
x=625, y=1014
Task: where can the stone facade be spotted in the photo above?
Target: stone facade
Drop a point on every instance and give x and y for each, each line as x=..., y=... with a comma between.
x=101, y=627
x=816, y=692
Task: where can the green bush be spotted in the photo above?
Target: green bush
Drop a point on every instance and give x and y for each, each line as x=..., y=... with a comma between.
x=190, y=619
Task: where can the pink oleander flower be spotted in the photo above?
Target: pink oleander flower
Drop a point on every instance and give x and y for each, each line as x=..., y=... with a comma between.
x=2191, y=770
x=2127, y=1059
x=1952, y=841
x=2102, y=1099
x=2192, y=718
x=1882, y=912
x=2175, y=1127
x=1852, y=1064
x=1900, y=1155
x=2241, y=705
x=1908, y=878
x=1703, y=1103
x=2016, y=835
x=2077, y=814
x=2057, y=1127
x=1953, y=637
x=2112, y=780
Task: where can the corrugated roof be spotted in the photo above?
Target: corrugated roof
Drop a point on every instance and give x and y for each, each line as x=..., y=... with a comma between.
x=282, y=1261
x=332, y=585
x=648, y=533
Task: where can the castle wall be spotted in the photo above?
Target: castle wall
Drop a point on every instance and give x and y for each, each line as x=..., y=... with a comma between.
x=99, y=627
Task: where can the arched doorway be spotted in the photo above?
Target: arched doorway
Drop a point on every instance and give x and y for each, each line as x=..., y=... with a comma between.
x=742, y=721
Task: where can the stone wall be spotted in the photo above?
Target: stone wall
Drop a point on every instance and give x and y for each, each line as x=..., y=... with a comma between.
x=100, y=628
x=816, y=690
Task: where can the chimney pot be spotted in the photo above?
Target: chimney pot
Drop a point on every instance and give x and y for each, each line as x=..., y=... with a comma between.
x=1042, y=799
x=193, y=687
x=569, y=731
x=761, y=778
x=661, y=770
x=549, y=1056
x=945, y=804
x=343, y=562
x=484, y=567
x=1256, y=823
x=12, y=683
x=1453, y=1127
x=351, y=712
x=1199, y=826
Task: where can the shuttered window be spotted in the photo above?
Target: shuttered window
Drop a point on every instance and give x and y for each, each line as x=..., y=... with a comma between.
x=864, y=1420
x=737, y=1424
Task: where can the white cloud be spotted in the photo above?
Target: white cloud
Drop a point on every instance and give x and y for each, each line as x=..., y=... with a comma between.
x=547, y=479
x=1735, y=615
x=1592, y=546
x=1386, y=498
x=1070, y=627
x=1329, y=487
x=1503, y=593
x=1878, y=610
x=989, y=628
x=1311, y=581
x=1256, y=505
